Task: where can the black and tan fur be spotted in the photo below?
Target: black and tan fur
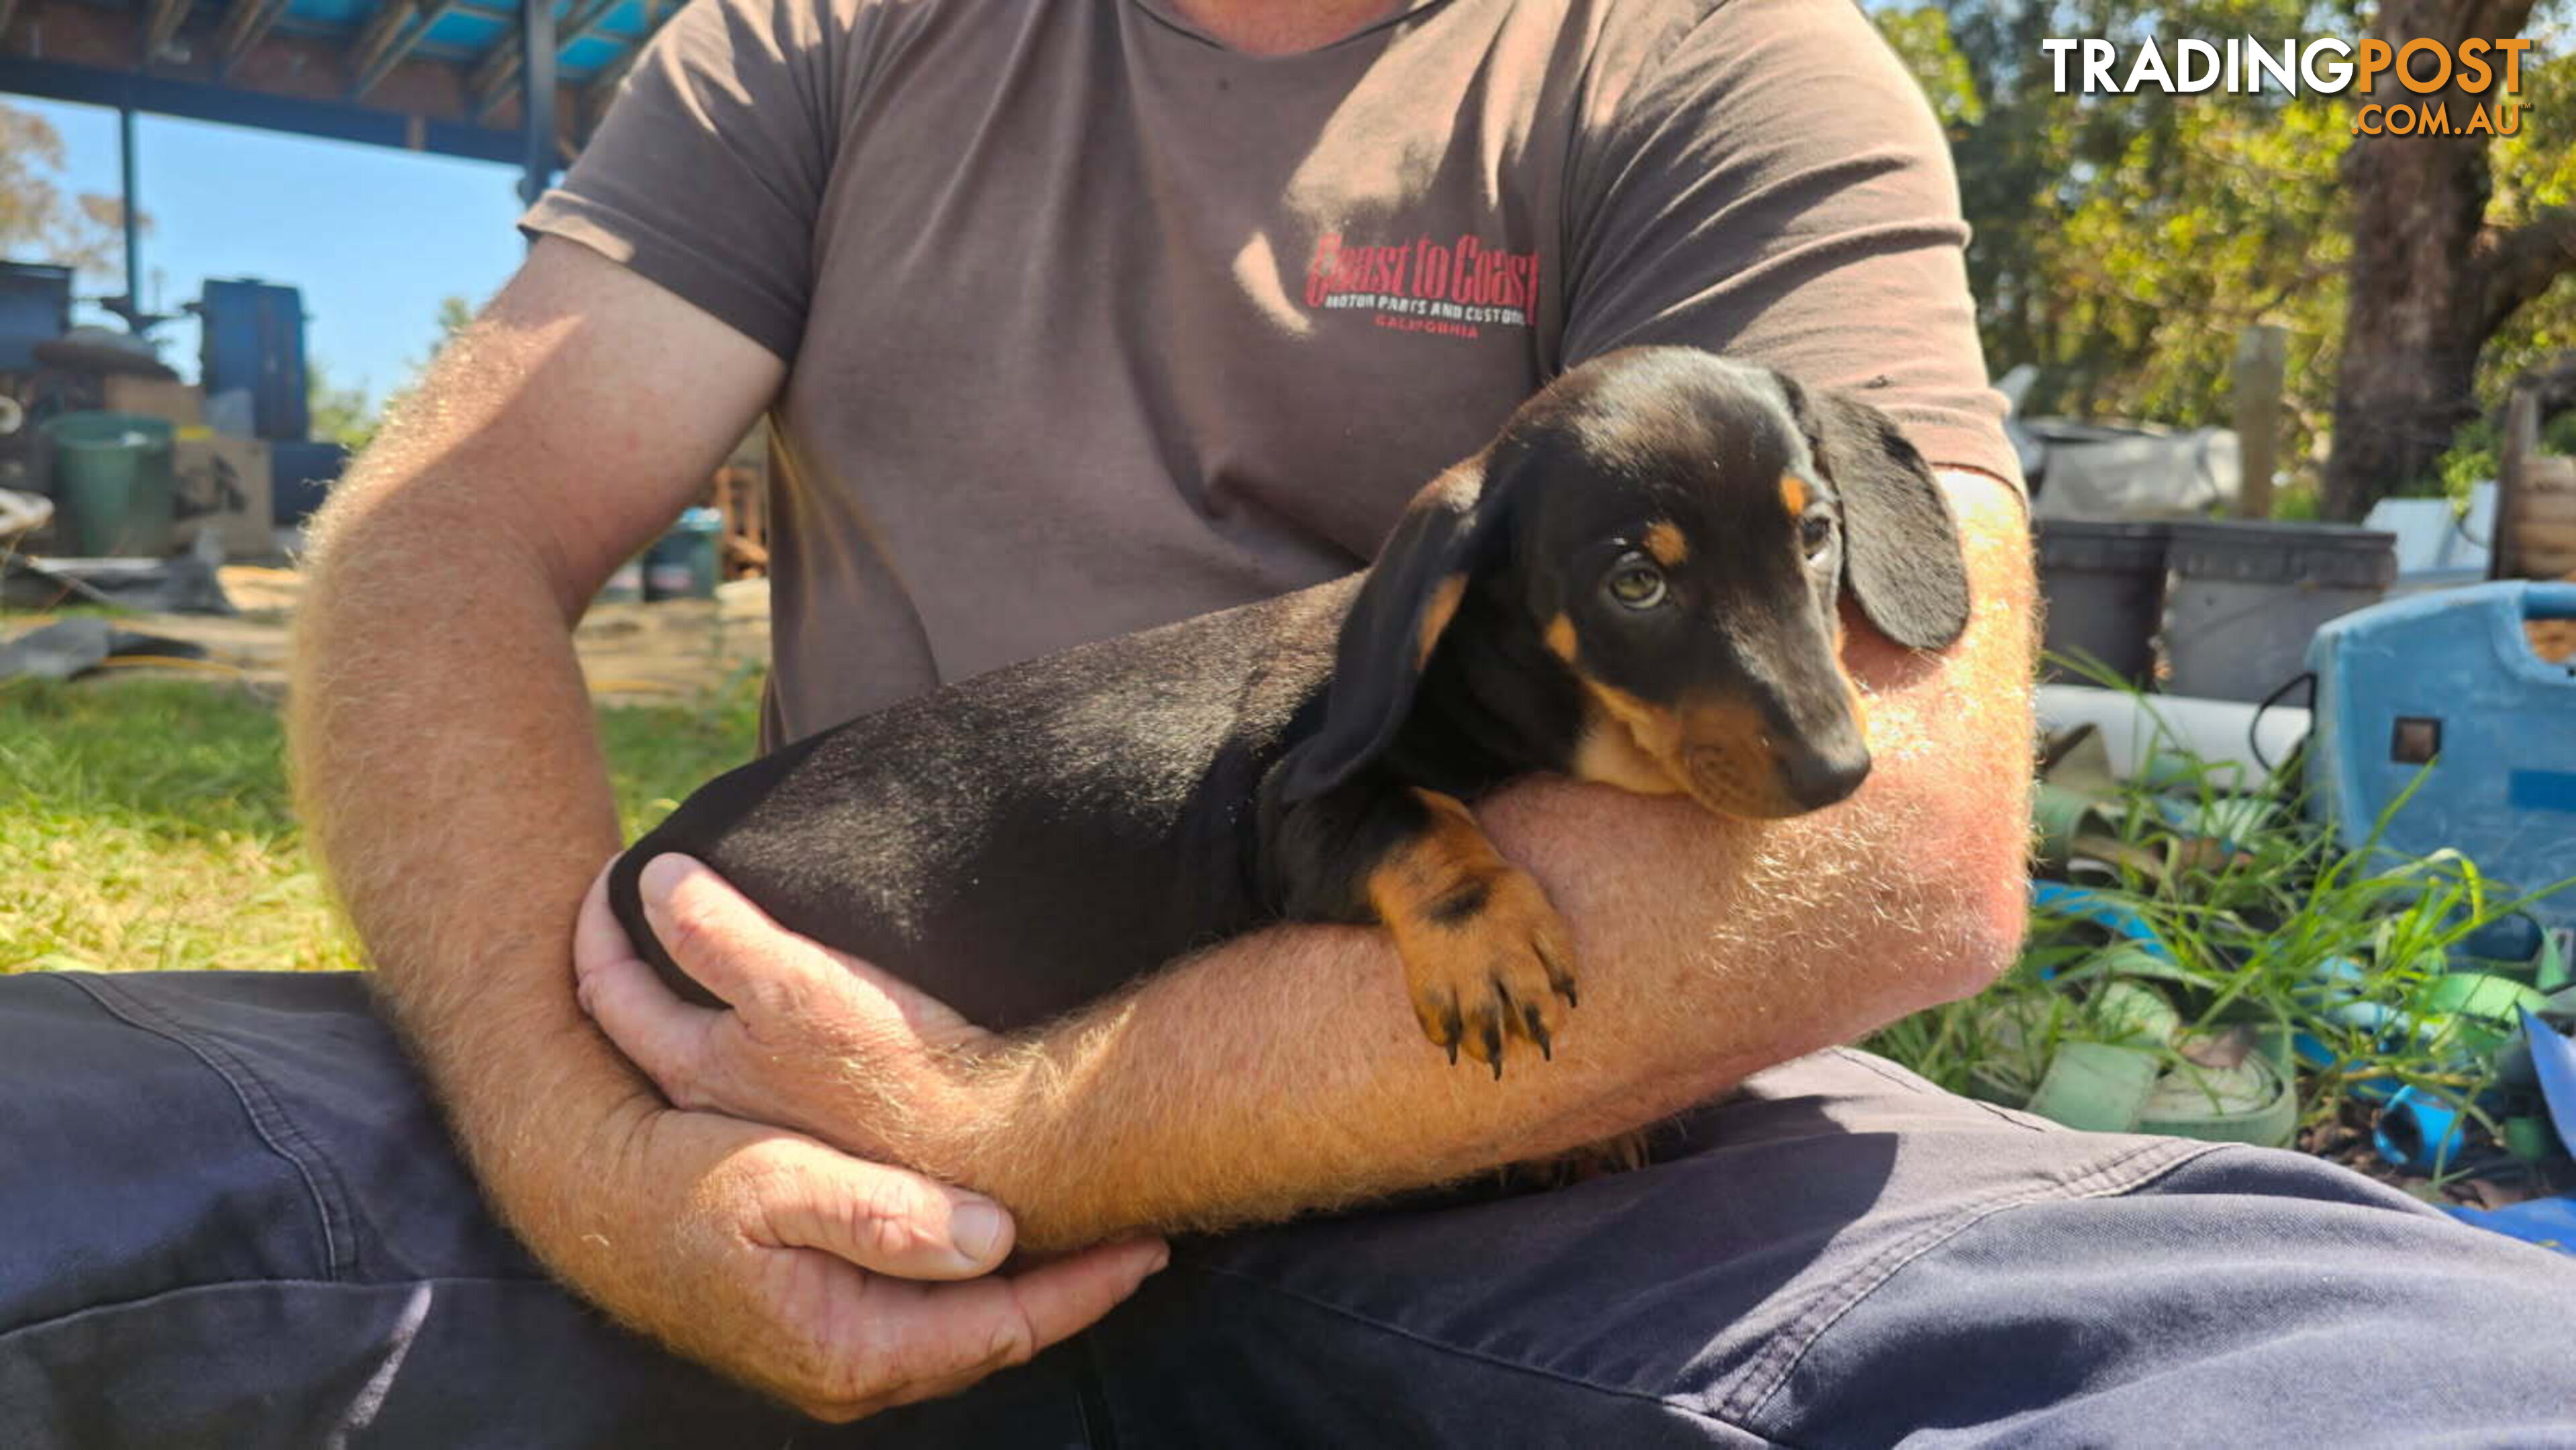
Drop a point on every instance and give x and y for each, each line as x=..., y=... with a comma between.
x=1635, y=583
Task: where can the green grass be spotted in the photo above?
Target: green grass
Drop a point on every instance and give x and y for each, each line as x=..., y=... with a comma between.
x=146, y=823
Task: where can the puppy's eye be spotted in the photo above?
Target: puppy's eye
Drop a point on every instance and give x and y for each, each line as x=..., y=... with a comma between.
x=1637, y=584
x=1815, y=531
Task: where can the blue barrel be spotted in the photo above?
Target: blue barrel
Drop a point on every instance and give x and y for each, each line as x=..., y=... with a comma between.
x=300, y=476
x=252, y=341
x=682, y=563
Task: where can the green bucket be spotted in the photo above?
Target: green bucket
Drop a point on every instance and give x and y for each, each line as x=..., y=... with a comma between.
x=114, y=483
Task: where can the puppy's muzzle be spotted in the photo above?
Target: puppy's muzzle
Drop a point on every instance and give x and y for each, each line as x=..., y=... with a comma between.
x=1813, y=777
x=1738, y=761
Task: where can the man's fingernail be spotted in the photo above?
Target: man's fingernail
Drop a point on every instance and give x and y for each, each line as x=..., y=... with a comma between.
x=660, y=876
x=1162, y=1259
x=976, y=1228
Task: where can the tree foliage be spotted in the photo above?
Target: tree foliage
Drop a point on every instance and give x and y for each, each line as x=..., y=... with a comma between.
x=2122, y=241
x=2535, y=174
x=346, y=415
x=342, y=415
x=42, y=220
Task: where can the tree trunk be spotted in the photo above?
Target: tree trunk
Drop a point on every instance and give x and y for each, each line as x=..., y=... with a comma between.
x=2420, y=308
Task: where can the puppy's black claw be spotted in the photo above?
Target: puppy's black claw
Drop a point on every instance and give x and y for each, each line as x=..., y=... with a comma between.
x=1494, y=1045
x=1538, y=1034
x=1452, y=1045
x=1565, y=989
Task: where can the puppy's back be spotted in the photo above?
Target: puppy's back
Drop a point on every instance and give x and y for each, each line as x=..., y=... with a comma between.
x=1028, y=840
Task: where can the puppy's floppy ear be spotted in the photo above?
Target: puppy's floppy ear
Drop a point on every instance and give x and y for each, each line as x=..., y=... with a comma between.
x=1901, y=557
x=1411, y=594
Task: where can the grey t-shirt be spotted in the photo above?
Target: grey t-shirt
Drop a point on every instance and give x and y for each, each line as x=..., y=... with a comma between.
x=1095, y=323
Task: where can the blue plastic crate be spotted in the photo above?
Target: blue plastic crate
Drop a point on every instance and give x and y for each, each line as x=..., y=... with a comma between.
x=2451, y=678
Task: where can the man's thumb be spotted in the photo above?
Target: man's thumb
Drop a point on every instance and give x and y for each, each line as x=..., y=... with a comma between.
x=883, y=1219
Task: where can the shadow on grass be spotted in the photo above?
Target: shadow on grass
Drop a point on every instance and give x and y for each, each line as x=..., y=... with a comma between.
x=191, y=761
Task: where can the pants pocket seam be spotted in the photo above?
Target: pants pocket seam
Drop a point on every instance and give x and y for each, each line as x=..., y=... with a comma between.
x=268, y=1120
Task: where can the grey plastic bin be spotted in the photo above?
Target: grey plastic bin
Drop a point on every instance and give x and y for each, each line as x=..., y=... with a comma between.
x=2103, y=583
x=2244, y=599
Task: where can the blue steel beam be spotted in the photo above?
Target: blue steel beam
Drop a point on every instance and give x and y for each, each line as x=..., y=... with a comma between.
x=204, y=101
x=537, y=96
x=130, y=221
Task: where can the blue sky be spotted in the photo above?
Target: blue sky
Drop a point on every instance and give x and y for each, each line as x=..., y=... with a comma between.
x=374, y=237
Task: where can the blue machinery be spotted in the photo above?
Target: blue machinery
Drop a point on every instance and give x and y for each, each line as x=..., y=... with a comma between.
x=2441, y=695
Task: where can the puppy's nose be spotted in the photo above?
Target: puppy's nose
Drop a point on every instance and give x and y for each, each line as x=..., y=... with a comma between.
x=1815, y=779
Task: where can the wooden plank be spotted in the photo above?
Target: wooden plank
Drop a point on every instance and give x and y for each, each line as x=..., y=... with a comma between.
x=243, y=27
x=2262, y=372
x=493, y=75
x=2518, y=442
x=162, y=26
x=2549, y=474
x=389, y=38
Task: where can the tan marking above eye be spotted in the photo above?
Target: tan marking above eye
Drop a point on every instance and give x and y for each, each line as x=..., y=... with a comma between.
x=1559, y=636
x=1664, y=540
x=1793, y=492
x=1435, y=620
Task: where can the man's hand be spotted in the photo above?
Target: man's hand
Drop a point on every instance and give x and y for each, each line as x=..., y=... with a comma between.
x=811, y=1038
x=815, y=1276
x=838, y=1286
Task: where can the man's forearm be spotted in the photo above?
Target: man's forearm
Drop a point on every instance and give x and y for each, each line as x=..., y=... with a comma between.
x=447, y=765
x=449, y=773
x=1284, y=1071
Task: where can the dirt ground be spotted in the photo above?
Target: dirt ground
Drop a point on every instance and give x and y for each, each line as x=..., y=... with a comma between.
x=631, y=653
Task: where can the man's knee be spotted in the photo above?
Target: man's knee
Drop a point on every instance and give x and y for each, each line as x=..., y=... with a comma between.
x=167, y=1131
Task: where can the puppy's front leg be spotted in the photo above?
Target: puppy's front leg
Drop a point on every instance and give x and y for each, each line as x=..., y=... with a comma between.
x=1485, y=953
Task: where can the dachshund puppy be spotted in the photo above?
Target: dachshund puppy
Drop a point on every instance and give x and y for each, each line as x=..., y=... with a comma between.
x=1635, y=583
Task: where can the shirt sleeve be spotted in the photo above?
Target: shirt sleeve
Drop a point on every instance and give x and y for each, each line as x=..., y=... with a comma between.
x=707, y=175
x=1774, y=187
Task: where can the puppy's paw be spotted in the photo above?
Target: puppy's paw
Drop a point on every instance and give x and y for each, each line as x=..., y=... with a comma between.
x=1486, y=957
x=1482, y=975
x=1625, y=1153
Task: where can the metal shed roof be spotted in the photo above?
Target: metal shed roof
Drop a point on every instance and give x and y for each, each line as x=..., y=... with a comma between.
x=445, y=76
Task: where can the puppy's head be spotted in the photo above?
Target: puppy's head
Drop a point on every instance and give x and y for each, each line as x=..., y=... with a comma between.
x=1675, y=529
